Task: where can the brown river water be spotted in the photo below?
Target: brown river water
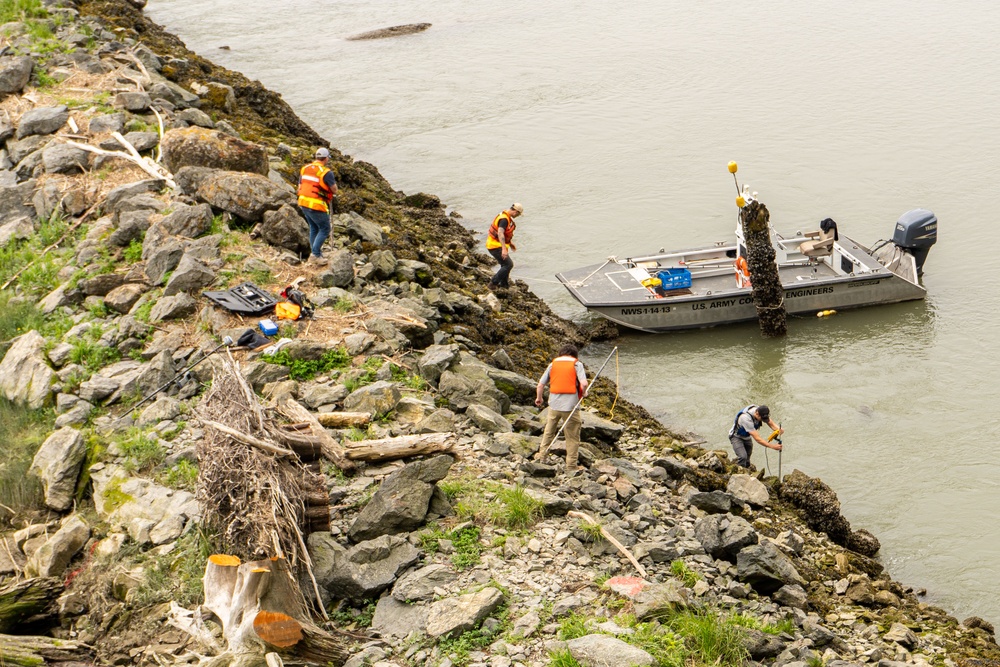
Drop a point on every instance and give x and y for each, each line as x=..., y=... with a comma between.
x=612, y=124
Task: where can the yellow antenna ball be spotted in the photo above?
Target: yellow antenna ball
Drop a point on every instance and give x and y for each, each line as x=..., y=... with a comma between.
x=741, y=202
x=732, y=167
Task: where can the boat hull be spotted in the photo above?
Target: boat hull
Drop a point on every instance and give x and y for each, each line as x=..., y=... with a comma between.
x=659, y=315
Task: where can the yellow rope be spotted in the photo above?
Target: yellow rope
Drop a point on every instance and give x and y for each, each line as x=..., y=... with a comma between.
x=615, y=402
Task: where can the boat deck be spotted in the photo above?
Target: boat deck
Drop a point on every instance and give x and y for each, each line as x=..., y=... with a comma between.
x=712, y=274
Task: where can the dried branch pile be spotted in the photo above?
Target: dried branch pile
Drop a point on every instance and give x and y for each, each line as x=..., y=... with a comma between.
x=256, y=493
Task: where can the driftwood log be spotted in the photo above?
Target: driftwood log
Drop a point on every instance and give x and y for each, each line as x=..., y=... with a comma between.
x=401, y=447
x=768, y=295
x=262, y=610
x=331, y=448
x=27, y=651
x=343, y=419
x=23, y=600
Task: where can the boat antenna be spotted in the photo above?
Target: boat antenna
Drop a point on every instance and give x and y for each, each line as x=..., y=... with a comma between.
x=741, y=200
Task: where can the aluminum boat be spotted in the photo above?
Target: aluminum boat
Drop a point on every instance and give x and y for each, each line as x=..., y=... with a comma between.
x=706, y=286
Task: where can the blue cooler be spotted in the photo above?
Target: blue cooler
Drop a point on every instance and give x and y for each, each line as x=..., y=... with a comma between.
x=671, y=279
x=268, y=328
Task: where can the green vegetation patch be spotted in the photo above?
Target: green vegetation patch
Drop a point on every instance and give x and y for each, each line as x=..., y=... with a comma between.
x=20, y=10
x=22, y=431
x=681, y=570
x=182, y=475
x=141, y=450
x=465, y=540
x=307, y=369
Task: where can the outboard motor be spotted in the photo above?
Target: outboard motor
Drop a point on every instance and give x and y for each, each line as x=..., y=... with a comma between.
x=916, y=232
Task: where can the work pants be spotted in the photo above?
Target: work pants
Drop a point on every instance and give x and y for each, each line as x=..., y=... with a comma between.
x=743, y=448
x=319, y=229
x=502, y=277
x=571, y=432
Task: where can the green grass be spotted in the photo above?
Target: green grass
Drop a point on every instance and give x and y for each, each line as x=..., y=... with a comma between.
x=713, y=638
x=143, y=311
x=358, y=618
x=572, y=626
x=468, y=549
x=562, y=659
x=19, y=10
x=516, y=509
x=133, y=253
x=141, y=450
x=681, y=570
x=748, y=621
x=307, y=369
x=41, y=276
x=459, y=648
x=90, y=353
x=401, y=376
x=182, y=475
x=176, y=575
x=22, y=431
x=343, y=305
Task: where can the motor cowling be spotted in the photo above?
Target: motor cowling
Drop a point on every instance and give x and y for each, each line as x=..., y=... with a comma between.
x=916, y=232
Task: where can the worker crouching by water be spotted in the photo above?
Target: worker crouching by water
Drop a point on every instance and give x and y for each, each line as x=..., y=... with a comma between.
x=317, y=188
x=745, y=432
x=499, y=243
x=567, y=381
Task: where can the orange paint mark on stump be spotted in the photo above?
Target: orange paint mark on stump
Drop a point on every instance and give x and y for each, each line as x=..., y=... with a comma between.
x=277, y=629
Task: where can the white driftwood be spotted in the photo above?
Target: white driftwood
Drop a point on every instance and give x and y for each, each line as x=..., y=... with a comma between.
x=148, y=166
x=404, y=446
x=610, y=538
x=193, y=624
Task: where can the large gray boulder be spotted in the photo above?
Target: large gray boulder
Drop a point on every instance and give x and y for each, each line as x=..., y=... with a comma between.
x=163, y=258
x=52, y=557
x=286, y=228
x=359, y=227
x=173, y=307
x=133, y=101
x=25, y=375
x=488, y=420
x=452, y=616
x=339, y=271
x=201, y=147
x=121, y=500
x=58, y=463
x=189, y=276
x=748, y=489
x=605, y=650
x=113, y=202
x=723, y=535
x=121, y=299
x=377, y=398
x=245, y=195
x=187, y=221
x=15, y=201
x=14, y=74
x=364, y=570
x=402, y=502
x=397, y=619
x=766, y=568
x=712, y=502
x=435, y=360
x=64, y=159
x=43, y=120
x=420, y=584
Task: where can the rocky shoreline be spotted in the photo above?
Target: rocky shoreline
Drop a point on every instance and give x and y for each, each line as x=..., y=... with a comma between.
x=134, y=174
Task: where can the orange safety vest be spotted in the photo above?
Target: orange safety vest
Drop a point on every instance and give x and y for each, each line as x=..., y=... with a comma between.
x=313, y=191
x=562, y=376
x=493, y=237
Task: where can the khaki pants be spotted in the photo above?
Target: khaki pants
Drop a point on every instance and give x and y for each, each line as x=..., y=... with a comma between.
x=572, y=433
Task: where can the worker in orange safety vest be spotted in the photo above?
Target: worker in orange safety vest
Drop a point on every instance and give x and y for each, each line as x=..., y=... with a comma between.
x=567, y=381
x=317, y=188
x=499, y=241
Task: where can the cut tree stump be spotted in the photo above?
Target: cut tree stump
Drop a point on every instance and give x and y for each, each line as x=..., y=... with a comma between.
x=402, y=447
x=22, y=600
x=261, y=609
x=28, y=651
